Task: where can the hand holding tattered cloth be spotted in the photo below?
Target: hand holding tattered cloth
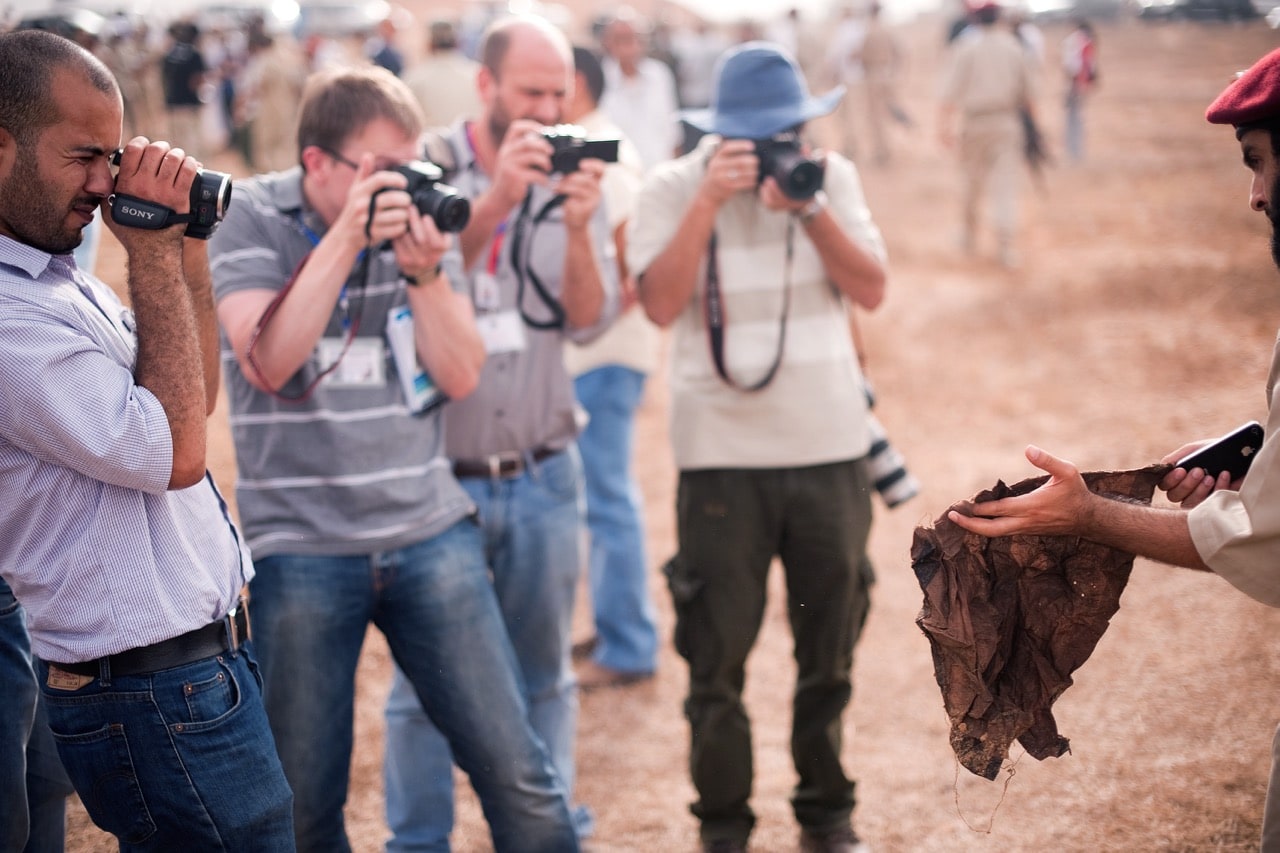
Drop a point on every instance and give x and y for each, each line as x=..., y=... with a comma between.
x=1010, y=618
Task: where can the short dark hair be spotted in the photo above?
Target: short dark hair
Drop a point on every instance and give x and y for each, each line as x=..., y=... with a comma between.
x=342, y=101
x=28, y=60
x=588, y=65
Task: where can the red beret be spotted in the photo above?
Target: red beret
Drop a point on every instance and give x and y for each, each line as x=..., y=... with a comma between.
x=1253, y=97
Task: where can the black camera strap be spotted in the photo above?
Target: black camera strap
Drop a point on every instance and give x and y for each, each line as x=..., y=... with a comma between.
x=714, y=304
x=521, y=245
x=139, y=213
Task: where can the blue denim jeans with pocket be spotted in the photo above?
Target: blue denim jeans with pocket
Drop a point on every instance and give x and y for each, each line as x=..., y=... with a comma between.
x=435, y=603
x=33, y=786
x=180, y=759
x=626, y=625
x=531, y=526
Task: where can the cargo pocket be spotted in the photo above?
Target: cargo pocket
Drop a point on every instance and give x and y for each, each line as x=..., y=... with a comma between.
x=686, y=590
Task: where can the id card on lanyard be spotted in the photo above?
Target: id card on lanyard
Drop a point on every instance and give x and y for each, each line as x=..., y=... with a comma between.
x=501, y=331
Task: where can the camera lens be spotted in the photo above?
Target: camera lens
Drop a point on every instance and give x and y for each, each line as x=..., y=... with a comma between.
x=450, y=211
x=803, y=180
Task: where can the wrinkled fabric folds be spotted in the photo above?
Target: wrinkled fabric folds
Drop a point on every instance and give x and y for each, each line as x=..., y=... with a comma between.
x=1010, y=618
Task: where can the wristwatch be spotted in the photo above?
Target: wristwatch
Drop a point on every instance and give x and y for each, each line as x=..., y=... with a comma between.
x=813, y=208
x=413, y=281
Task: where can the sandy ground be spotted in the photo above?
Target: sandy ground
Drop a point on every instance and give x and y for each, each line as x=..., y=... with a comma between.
x=1143, y=316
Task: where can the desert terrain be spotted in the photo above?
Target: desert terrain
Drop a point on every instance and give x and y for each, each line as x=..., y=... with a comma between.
x=1142, y=316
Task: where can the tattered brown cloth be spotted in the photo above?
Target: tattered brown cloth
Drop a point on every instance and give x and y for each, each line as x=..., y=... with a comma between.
x=1010, y=618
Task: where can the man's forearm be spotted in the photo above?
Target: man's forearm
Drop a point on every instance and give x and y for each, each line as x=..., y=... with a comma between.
x=669, y=282
x=582, y=293
x=170, y=364
x=195, y=259
x=1153, y=532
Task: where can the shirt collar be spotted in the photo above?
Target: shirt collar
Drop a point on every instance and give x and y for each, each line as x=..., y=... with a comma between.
x=29, y=259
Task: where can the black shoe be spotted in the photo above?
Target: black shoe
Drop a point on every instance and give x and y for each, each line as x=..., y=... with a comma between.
x=840, y=840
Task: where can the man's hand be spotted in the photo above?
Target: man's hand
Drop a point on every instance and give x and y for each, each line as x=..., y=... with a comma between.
x=158, y=173
x=581, y=190
x=420, y=248
x=731, y=170
x=391, y=208
x=1062, y=506
x=1190, y=488
x=524, y=159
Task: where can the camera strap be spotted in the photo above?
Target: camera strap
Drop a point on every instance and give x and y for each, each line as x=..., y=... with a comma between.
x=522, y=237
x=713, y=303
x=139, y=213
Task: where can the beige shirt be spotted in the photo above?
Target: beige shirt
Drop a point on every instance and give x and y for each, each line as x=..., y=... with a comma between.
x=815, y=410
x=1238, y=533
x=987, y=73
x=633, y=340
x=445, y=85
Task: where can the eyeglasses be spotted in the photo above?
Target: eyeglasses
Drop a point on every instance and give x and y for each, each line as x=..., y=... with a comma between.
x=338, y=157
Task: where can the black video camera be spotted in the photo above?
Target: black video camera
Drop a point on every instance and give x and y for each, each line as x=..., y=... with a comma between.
x=210, y=196
x=799, y=177
x=444, y=204
x=570, y=147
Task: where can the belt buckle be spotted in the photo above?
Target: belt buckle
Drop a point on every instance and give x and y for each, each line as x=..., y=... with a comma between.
x=497, y=460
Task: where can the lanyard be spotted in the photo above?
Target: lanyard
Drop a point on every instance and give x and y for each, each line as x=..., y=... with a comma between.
x=714, y=306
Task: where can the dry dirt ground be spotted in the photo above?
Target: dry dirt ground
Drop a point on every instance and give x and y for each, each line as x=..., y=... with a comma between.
x=1143, y=316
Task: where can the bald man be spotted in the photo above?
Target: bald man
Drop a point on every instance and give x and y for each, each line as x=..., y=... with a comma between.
x=541, y=269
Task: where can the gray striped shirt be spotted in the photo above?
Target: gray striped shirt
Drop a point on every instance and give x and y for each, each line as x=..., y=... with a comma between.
x=102, y=556
x=349, y=470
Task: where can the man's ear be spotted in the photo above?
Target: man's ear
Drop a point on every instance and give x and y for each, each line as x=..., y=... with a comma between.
x=485, y=82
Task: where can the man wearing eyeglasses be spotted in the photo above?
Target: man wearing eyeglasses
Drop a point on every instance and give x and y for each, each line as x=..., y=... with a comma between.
x=342, y=334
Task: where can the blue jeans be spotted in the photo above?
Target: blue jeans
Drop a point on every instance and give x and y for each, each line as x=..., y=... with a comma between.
x=531, y=526
x=33, y=786
x=435, y=604
x=626, y=628
x=180, y=759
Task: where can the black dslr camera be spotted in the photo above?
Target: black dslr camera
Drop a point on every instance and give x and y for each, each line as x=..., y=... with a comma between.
x=570, y=147
x=444, y=204
x=210, y=196
x=799, y=177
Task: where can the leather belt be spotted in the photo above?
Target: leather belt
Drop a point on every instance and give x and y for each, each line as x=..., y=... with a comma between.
x=502, y=465
x=213, y=639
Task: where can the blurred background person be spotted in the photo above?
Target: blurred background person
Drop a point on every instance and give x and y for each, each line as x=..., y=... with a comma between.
x=987, y=90
x=444, y=81
x=639, y=91
x=608, y=381
x=267, y=101
x=183, y=71
x=1080, y=66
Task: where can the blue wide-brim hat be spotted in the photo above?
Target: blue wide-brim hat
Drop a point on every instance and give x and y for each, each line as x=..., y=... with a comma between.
x=760, y=91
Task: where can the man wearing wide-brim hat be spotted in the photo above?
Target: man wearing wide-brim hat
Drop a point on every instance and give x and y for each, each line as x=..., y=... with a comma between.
x=754, y=267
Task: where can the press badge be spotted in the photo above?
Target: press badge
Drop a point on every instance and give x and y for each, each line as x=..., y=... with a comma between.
x=420, y=393
x=502, y=331
x=363, y=365
x=488, y=296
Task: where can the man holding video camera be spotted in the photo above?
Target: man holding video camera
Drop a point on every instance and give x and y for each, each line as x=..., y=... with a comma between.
x=344, y=333
x=1233, y=527
x=117, y=543
x=540, y=268
x=753, y=250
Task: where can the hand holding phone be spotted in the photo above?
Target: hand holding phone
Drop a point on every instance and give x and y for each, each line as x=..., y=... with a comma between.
x=1233, y=452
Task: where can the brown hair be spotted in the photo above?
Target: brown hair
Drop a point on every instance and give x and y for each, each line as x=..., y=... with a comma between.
x=340, y=102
